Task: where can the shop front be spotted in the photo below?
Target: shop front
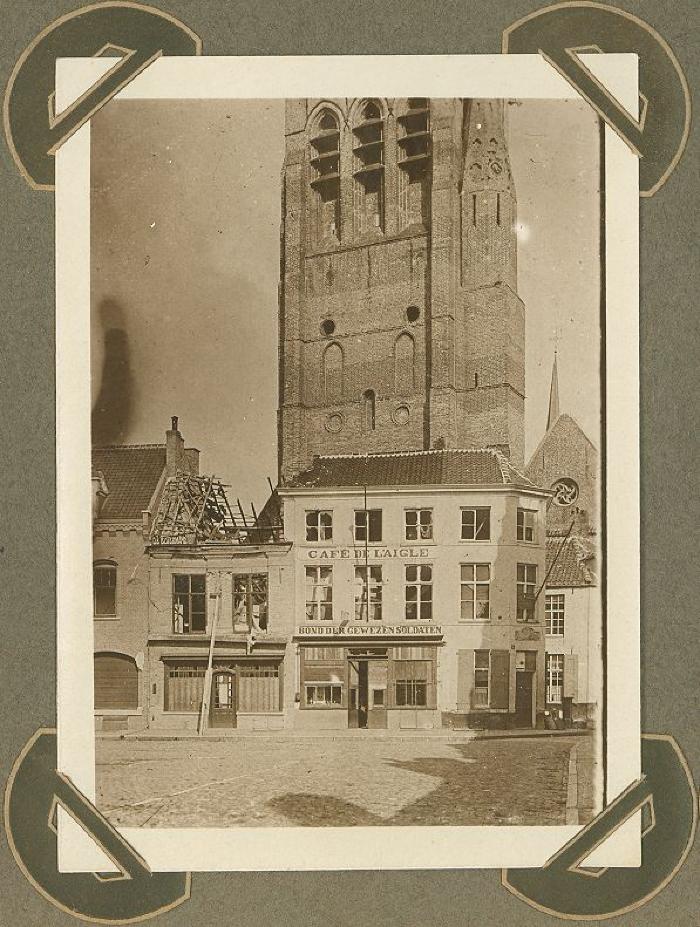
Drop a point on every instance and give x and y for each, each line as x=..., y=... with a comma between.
x=367, y=677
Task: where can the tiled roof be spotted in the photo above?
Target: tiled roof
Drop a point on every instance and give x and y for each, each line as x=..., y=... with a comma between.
x=574, y=562
x=473, y=467
x=132, y=473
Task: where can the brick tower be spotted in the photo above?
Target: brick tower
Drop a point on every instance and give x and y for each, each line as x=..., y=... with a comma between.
x=400, y=324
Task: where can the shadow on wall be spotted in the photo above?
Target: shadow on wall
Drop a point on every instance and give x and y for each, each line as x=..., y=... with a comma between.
x=111, y=412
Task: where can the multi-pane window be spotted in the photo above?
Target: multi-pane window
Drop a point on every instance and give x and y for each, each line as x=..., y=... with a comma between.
x=554, y=615
x=189, y=603
x=474, y=598
x=526, y=583
x=250, y=599
x=368, y=593
x=368, y=525
x=104, y=589
x=554, y=676
x=481, y=678
x=412, y=679
x=319, y=593
x=319, y=525
x=322, y=694
x=419, y=524
x=419, y=592
x=526, y=524
x=476, y=524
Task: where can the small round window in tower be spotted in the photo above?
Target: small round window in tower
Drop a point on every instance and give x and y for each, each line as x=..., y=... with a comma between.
x=565, y=491
x=328, y=327
x=413, y=313
x=334, y=423
x=401, y=415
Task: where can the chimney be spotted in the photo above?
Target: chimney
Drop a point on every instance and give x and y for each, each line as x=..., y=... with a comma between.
x=174, y=450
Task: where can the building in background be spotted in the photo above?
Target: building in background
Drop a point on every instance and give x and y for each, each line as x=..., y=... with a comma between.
x=567, y=463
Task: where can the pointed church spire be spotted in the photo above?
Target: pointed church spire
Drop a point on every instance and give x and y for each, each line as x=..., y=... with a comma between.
x=553, y=413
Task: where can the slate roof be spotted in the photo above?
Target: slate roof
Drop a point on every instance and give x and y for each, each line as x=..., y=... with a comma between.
x=132, y=473
x=472, y=467
x=574, y=562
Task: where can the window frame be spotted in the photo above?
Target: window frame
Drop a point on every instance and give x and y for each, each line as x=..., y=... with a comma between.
x=550, y=674
x=556, y=613
x=318, y=527
x=111, y=567
x=372, y=603
x=474, y=584
x=324, y=705
x=175, y=594
x=316, y=602
x=522, y=590
x=475, y=509
x=367, y=526
x=486, y=706
x=522, y=527
x=418, y=512
x=419, y=584
x=250, y=593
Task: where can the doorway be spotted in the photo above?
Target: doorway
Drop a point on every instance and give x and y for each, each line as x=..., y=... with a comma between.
x=222, y=710
x=523, y=698
x=367, y=688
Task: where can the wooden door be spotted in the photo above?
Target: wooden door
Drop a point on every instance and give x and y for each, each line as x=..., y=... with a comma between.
x=222, y=709
x=523, y=698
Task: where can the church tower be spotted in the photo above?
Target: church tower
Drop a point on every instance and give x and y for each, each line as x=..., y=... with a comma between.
x=400, y=325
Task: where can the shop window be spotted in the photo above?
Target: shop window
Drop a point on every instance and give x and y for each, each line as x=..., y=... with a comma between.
x=189, y=604
x=104, y=590
x=554, y=677
x=526, y=583
x=554, y=615
x=418, y=524
x=325, y=179
x=368, y=525
x=476, y=524
x=319, y=525
x=526, y=520
x=413, y=684
x=319, y=593
x=475, y=590
x=368, y=593
x=258, y=687
x=419, y=592
x=184, y=687
x=368, y=173
x=404, y=364
x=333, y=373
x=250, y=600
x=319, y=695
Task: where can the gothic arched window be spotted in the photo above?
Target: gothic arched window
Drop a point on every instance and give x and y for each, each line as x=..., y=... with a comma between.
x=325, y=180
x=369, y=410
x=404, y=364
x=368, y=169
x=333, y=373
x=414, y=162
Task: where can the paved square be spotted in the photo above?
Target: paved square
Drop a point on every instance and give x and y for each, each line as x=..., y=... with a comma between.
x=267, y=780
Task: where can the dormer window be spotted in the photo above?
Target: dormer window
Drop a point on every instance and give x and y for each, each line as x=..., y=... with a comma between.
x=325, y=176
x=368, y=169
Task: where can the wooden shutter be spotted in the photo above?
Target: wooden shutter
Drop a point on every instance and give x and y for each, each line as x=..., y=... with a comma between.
x=571, y=676
x=116, y=682
x=465, y=678
x=500, y=678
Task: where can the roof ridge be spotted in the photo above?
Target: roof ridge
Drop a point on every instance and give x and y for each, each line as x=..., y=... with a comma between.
x=126, y=447
x=416, y=453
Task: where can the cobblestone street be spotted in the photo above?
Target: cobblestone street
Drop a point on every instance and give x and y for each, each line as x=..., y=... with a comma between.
x=264, y=781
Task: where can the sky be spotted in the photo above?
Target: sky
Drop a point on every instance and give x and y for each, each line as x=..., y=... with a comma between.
x=185, y=219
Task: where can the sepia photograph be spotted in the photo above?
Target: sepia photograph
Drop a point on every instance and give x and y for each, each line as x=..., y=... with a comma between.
x=348, y=469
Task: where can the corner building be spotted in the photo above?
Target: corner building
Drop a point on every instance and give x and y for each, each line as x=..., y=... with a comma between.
x=400, y=325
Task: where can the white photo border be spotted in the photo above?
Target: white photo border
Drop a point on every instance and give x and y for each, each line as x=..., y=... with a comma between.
x=344, y=848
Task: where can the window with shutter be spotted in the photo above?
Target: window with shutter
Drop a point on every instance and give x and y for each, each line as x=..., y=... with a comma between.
x=500, y=678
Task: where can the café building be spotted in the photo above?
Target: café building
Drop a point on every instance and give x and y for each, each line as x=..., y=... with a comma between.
x=416, y=580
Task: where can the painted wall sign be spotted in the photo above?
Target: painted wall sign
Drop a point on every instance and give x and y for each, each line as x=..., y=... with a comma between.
x=371, y=553
x=368, y=630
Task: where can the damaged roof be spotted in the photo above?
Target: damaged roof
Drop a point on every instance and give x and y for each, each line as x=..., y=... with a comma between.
x=572, y=561
x=446, y=467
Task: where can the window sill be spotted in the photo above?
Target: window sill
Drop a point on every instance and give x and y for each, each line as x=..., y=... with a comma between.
x=105, y=617
x=466, y=622
x=117, y=712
